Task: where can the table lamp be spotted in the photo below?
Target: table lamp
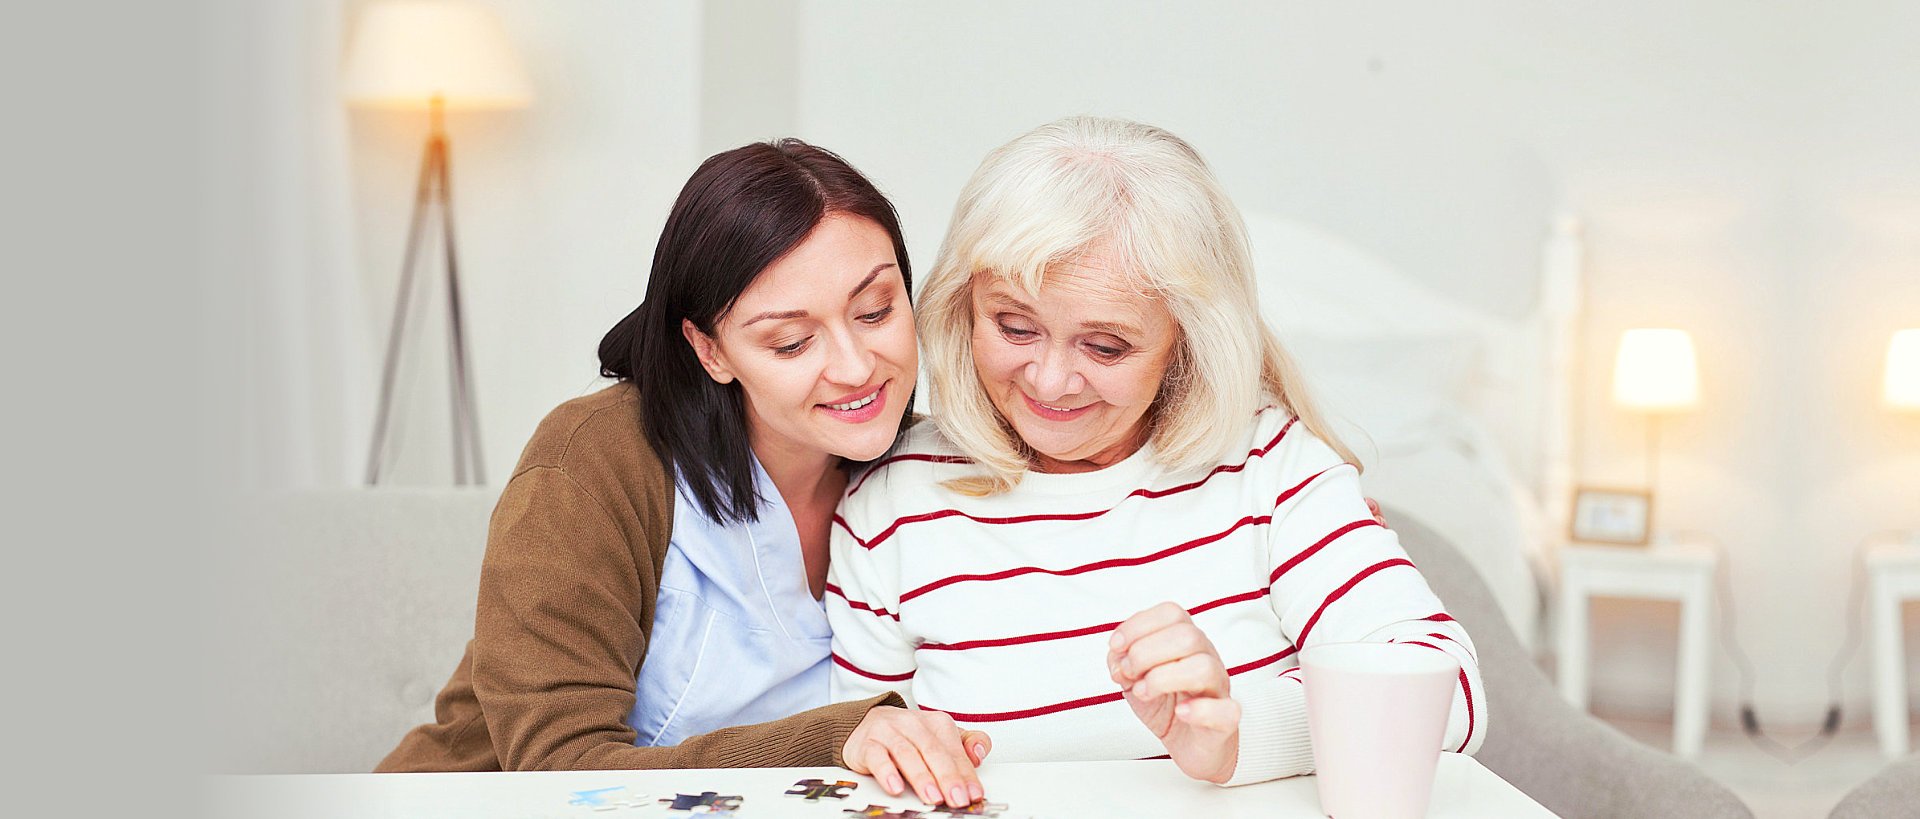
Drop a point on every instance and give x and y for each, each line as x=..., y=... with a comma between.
x=1901, y=386
x=1655, y=373
x=436, y=56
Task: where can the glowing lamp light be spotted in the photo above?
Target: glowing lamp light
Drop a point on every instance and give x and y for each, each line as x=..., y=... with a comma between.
x=410, y=54
x=1656, y=371
x=1902, y=384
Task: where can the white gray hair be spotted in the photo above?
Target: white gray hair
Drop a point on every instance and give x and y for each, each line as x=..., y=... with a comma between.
x=1145, y=196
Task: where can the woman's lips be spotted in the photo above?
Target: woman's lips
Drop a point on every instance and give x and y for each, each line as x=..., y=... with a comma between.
x=860, y=413
x=1050, y=413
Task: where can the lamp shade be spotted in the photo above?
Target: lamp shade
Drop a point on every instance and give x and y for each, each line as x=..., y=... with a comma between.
x=405, y=54
x=1656, y=371
x=1902, y=385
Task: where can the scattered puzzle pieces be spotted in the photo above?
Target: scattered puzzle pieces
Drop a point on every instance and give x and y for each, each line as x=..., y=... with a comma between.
x=706, y=802
x=980, y=808
x=878, y=812
x=813, y=789
x=603, y=799
x=595, y=797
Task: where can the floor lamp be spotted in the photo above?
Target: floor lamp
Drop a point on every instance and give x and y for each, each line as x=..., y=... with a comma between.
x=443, y=55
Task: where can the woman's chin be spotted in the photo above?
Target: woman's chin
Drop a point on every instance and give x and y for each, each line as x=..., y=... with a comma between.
x=871, y=444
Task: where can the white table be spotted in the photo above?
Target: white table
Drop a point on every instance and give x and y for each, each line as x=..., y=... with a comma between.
x=1894, y=574
x=1671, y=571
x=1056, y=790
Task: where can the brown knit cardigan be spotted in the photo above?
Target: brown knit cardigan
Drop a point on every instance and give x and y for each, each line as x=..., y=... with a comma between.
x=567, y=590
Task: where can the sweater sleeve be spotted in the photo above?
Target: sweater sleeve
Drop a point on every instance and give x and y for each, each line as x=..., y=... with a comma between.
x=872, y=655
x=559, y=637
x=1337, y=575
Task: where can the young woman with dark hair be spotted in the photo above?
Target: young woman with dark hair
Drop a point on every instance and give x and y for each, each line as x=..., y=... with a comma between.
x=655, y=564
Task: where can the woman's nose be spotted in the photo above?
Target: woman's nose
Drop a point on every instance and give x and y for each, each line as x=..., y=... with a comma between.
x=849, y=361
x=1052, y=374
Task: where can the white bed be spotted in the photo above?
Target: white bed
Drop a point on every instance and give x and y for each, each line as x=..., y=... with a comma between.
x=1462, y=419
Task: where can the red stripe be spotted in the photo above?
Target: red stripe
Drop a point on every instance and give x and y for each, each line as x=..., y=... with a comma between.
x=1442, y=617
x=855, y=604
x=911, y=456
x=1463, y=646
x=842, y=662
x=1138, y=493
x=1311, y=550
x=1435, y=647
x=1080, y=632
x=1262, y=662
x=1038, y=711
x=1295, y=489
x=1347, y=587
x=1468, y=688
x=1421, y=644
x=1083, y=702
x=1089, y=567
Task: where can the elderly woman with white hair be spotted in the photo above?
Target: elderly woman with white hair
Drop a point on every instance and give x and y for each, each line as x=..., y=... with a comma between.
x=1128, y=517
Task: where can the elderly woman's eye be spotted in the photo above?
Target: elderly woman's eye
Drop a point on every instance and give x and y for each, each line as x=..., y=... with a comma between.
x=1107, y=349
x=1016, y=333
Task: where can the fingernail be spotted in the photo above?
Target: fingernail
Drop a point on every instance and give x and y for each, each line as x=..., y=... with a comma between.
x=1116, y=642
x=959, y=795
x=894, y=785
x=929, y=796
x=978, y=793
x=979, y=751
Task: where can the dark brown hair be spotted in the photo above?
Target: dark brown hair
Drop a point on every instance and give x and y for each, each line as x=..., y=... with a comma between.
x=738, y=214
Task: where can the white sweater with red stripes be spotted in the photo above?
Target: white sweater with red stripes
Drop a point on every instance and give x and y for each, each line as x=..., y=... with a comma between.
x=998, y=610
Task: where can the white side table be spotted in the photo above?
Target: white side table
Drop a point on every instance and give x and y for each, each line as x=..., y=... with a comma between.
x=1893, y=573
x=1676, y=571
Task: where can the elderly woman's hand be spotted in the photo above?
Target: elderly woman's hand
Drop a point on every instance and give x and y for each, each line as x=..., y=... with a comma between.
x=1173, y=677
x=922, y=749
x=1374, y=507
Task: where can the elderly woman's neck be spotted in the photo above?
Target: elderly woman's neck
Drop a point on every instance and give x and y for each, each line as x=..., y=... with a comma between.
x=1094, y=462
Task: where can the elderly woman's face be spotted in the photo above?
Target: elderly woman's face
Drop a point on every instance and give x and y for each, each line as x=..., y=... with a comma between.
x=1074, y=367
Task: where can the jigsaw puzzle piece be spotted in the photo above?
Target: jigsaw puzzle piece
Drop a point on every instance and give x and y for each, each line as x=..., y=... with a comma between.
x=880, y=812
x=705, y=802
x=813, y=789
x=980, y=808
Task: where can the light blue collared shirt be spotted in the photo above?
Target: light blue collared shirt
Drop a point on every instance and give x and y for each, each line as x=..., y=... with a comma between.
x=737, y=636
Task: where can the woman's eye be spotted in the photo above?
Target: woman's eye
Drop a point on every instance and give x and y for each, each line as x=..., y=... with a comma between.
x=792, y=349
x=1016, y=333
x=877, y=316
x=1105, y=352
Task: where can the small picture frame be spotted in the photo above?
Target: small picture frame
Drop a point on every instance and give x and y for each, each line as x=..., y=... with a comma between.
x=1623, y=516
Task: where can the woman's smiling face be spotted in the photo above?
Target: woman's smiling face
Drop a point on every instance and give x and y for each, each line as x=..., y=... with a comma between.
x=1074, y=368
x=822, y=344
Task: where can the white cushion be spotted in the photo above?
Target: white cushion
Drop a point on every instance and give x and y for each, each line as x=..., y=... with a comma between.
x=338, y=616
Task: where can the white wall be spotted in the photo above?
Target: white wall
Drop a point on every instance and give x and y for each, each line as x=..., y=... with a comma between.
x=1744, y=171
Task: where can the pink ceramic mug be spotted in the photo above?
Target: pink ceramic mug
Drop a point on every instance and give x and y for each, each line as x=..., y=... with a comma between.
x=1376, y=713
